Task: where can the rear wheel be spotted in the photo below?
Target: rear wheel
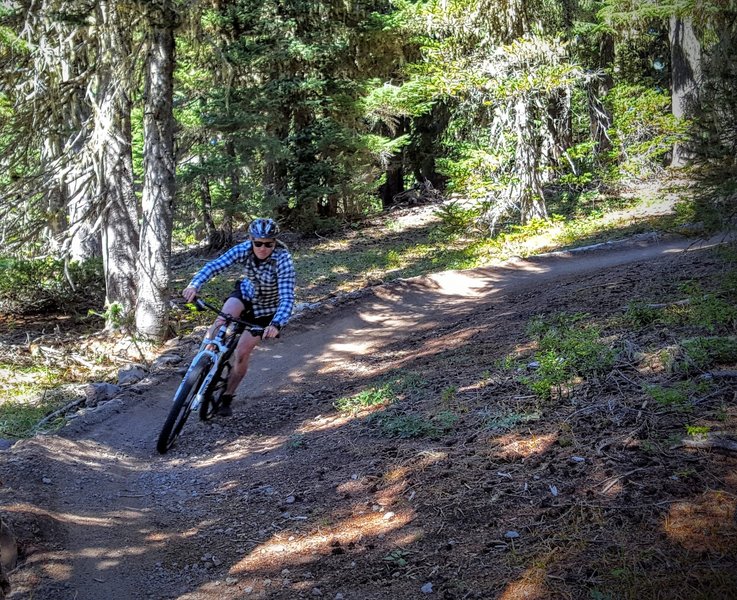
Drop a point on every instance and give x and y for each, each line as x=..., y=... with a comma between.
x=182, y=405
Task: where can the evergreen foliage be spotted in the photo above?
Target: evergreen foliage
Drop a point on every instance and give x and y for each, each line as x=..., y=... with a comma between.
x=318, y=112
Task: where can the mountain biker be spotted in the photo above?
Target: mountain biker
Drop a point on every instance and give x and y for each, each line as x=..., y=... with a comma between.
x=265, y=295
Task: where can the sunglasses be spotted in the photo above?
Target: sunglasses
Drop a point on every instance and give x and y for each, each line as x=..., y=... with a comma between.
x=267, y=244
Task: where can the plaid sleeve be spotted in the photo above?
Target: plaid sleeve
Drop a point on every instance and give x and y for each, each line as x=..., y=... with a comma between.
x=222, y=262
x=286, y=277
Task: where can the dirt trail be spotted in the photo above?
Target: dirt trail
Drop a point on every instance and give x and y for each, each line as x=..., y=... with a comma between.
x=212, y=518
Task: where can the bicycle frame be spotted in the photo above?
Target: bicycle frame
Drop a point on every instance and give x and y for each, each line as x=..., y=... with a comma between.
x=217, y=350
x=216, y=356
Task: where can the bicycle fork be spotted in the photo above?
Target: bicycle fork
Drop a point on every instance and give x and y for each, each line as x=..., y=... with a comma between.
x=214, y=357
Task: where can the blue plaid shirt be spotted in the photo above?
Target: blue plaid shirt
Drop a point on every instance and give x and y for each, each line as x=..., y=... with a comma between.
x=268, y=284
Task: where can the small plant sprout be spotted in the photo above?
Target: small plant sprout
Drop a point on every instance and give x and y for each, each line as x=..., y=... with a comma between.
x=697, y=430
x=448, y=395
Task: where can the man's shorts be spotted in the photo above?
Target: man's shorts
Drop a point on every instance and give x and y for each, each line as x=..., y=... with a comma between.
x=247, y=314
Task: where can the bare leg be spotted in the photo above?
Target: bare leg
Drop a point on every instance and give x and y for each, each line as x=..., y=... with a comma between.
x=240, y=363
x=232, y=307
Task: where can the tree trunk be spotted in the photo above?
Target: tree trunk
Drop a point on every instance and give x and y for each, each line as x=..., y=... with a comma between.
x=206, y=205
x=235, y=195
x=56, y=202
x=276, y=170
x=685, y=76
x=82, y=238
x=559, y=130
x=425, y=145
x=115, y=165
x=527, y=192
x=158, y=187
x=61, y=70
x=394, y=183
x=84, y=242
x=600, y=119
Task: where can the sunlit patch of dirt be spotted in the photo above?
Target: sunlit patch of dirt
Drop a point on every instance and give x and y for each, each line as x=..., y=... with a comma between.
x=706, y=524
x=516, y=446
x=531, y=586
x=282, y=550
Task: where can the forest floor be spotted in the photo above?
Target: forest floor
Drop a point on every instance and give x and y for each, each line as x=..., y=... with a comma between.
x=523, y=430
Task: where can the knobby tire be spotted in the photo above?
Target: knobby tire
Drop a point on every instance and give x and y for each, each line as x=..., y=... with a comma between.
x=211, y=399
x=182, y=406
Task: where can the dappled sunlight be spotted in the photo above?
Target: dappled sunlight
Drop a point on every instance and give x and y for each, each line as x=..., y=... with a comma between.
x=427, y=458
x=160, y=536
x=395, y=485
x=346, y=349
x=359, y=345
x=385, y=517
x=704, y=524
x=87, y=453
x=516, y=446
x=531, y=586
x=459, y=283
x=525, y=348
x=237, y=450
x=389, y=319
x=107, y=553
x=283, y=550
x=57, y=565
x=325, y=423
x=431, y=345
x=109, y=519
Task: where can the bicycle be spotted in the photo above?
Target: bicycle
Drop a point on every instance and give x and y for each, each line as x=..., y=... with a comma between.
x=207, y=376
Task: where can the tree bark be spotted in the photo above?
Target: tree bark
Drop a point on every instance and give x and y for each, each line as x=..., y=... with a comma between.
x=115, y=165
x=425, y=146
x=206, y=206
x=559, y=131
x=600, y=119
x=62, y=69
x=158, y=187
x=527, y=192
x=235, y=195
x=394, y=183
x=685, y=76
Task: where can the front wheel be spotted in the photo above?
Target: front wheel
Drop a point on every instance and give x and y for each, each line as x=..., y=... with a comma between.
x=182, y=405
x=211, y=398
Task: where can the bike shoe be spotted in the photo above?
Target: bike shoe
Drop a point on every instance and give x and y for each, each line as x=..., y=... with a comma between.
x=225, y=409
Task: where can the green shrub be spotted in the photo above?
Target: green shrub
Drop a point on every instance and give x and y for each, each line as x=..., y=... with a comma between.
x=508, y=421
x=697, y=431
x=373, y=396
x=667, y=396
x=456, y=218
x=710, y=311
x=385, y=392
x=404, y=426
x=643, y=130
x=639, y=314
x=29, y=286
x=702, y=353
x=567, y=349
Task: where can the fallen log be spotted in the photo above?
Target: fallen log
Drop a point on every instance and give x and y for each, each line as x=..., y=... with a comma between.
x=61, y=411
x=712, y=441
x=669, y=304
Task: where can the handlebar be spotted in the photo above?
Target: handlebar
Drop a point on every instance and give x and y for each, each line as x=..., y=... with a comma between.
x=201, y=304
